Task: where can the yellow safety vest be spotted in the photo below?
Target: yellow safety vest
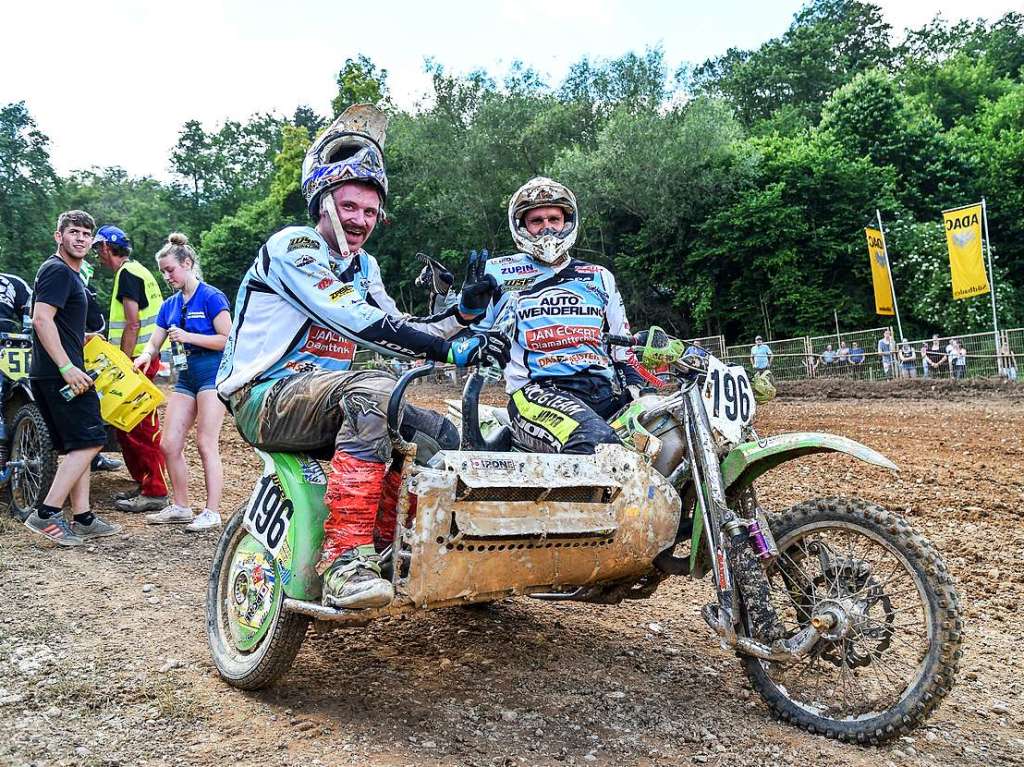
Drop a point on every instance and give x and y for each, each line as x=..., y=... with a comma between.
x=147, y=316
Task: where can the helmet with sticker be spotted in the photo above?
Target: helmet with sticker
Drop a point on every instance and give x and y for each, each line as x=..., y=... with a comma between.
x=546, y=246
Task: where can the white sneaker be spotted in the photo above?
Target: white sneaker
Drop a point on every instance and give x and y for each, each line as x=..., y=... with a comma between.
x=205, y=521
x=170, y=515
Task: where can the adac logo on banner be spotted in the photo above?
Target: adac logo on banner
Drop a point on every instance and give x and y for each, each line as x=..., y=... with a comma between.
x=963, y=238
x=879, y=273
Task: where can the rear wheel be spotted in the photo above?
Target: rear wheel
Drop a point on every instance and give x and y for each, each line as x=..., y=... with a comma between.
x=252, y=639
x=31, y=445
x=892, y=654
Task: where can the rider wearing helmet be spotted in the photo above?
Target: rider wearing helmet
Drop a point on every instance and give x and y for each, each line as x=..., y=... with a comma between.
x=564, y=382
x=311, y=296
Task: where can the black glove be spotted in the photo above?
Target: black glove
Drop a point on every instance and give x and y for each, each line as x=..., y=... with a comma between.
x=434, y=276
x=477, y=289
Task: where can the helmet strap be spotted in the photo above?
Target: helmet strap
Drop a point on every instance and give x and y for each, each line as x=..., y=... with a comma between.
x=327, y=204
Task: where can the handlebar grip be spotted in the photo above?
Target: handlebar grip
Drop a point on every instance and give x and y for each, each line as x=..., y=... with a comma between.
x=619, y=340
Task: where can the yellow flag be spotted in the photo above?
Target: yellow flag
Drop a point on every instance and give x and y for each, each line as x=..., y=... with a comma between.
x=963, y=237
x=879, y=273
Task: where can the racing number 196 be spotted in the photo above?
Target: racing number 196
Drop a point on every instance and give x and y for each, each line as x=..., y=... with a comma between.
x=736, y=393
x=270, y=512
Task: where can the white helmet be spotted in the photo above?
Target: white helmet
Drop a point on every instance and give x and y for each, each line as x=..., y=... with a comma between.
x=548, y=247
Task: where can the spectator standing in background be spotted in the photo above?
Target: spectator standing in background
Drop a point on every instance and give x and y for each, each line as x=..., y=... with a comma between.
x=960, y=361
x=906, y=357
x=134, y=303
x=843, y=357
x=937, y=359
x=885, y=352
x=827, y=359
x=760, y=355
x=196, y=317
x=951, y=350
x=58, y=336
x=924, y=360
x=856, y=355
x=1007, y=362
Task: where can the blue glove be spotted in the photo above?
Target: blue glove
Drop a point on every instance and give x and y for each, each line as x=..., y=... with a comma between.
x=477, y=348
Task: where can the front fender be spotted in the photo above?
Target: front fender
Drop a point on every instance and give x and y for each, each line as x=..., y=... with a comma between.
x=748, y=461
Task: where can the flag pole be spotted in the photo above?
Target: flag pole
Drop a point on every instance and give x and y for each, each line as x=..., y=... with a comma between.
x=991, y=274
x=888, y=268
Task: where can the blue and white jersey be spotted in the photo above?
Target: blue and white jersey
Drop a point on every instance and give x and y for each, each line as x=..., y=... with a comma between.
x=302, y=308
x=555, y=317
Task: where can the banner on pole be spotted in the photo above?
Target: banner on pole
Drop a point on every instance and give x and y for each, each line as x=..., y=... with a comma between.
x=963, y=238
x=879, y=273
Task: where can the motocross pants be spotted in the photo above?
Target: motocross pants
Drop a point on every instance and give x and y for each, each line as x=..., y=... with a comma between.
x=565, y=415
x=346, y=410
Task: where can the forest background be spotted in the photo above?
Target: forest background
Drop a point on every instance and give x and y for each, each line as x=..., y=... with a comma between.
x=730, y=197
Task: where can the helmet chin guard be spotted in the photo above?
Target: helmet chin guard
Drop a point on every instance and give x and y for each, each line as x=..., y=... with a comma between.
x=546, y=246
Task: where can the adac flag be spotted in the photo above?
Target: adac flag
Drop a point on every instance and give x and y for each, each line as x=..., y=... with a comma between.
x=963, y=237
x=879, y=273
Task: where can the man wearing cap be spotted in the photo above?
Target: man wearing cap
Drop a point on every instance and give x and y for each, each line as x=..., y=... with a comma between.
x=760, y=355
x=134, y=304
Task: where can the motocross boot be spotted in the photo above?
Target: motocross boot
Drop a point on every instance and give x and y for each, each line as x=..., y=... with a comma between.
x=354, y=582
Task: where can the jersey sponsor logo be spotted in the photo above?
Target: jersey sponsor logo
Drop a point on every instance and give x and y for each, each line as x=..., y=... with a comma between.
x=306, y=243
x=589, y=269
x=556, y=302
x=505, y=260
x=304, y=261
x=580, y=359
x=520, y=269
x=518, y=283
x=538, y=395
x=323, y=342
x=340, y=293
x=561, y=337
x=325, y=283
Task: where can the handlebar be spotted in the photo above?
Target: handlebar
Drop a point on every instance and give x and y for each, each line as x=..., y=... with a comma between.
x=398, y=393
x=613, y=340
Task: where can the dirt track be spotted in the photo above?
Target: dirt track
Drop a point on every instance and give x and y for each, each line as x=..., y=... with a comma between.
x=96, y=671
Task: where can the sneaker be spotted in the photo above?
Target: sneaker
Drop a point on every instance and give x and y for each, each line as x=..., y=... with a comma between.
x=171, y=515
x=205, y=521
x=56, y=528
x=353, y=582
x=127, y=495
x=103, y=463
x=139, y=503
x=97, y=529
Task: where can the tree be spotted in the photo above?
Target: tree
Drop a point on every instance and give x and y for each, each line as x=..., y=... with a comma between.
x=27, y=187
x=360, y=82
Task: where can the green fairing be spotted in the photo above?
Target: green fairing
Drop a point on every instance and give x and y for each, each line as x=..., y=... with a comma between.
x=746, y=462
x=306, y=529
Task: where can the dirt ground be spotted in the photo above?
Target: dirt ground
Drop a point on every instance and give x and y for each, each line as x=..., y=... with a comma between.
x=104, y=660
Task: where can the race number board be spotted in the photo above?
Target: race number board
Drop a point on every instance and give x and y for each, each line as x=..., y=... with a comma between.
x=728, y=399
x=269, y=511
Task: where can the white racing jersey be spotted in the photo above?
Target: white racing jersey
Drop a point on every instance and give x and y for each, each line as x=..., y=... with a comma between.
x=301, y=308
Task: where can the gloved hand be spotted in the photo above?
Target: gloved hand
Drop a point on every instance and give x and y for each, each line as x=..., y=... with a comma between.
x=434, y=276
x=479, y=347
x=477, y=289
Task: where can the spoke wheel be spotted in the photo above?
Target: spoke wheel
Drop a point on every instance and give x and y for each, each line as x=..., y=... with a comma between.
x=892, y=652
x=252, y=639
x=30, y=443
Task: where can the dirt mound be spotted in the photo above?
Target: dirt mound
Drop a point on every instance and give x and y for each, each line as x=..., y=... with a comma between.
x=915, y=388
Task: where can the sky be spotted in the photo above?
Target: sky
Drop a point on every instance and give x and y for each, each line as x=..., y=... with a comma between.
x=112, y=82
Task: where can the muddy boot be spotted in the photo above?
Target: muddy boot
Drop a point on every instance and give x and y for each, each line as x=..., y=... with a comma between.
x=353, y=582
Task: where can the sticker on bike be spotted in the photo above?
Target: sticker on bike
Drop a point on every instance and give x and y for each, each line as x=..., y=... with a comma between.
x=269, y=511
x=728, y=399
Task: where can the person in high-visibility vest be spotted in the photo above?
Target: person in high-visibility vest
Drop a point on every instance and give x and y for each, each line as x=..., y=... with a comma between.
x=134, y=303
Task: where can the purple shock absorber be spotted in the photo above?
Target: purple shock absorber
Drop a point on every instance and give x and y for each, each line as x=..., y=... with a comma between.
x=757, y=541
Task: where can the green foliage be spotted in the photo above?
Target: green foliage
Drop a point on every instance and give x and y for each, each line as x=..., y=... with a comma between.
x=360, y=82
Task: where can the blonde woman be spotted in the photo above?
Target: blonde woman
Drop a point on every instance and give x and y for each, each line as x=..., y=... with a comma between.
x=196, y=320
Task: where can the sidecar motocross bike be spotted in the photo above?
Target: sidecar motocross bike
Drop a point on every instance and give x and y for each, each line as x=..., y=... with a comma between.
x=844, y=618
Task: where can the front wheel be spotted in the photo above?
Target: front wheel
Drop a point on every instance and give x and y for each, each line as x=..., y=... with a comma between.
x=893, y=652
x=252, y=639
x=32, y=446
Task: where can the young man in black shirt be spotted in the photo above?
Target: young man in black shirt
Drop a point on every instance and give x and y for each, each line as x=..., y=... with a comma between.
x=58, y=334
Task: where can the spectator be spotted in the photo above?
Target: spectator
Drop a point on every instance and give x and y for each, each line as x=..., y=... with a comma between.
x=960, y=361
x=134, y=302
x=696, y=347
x=906, y=357
x=197, y=317
x=856, y=355
x=760, y=355
x=827, y=359
x=937, y=359
x=15, y=303
x=843, y=357
x=924, y=359
x=951, y=351
x=1007, y=362
x=885, y=352
x=75, y=426
x=810, y=365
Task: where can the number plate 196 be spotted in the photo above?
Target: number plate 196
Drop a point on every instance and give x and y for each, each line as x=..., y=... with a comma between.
x=728, y=399
x=269, y=511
